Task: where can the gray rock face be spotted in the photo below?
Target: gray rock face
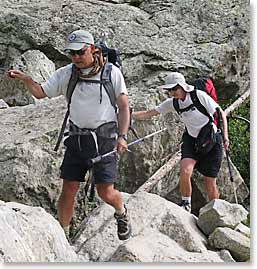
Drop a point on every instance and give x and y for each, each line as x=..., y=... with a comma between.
x=34, y=63
x=29, y=234
x=29, y=168
x=166, y=35
x=235, y=242
x=220, y=213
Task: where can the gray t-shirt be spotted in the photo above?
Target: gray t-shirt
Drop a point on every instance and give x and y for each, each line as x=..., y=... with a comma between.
x=86, y=111
x=193, y=119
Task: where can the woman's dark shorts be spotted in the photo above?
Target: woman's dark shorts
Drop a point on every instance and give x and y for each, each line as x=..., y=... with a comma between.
x=75, y=163
x=209, y=164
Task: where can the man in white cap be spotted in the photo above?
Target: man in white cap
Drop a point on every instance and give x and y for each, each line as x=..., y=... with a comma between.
x=90, y=109
x=194, y=120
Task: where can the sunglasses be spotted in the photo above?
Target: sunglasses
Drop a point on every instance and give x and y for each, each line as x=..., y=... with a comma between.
x=175, y=88
x=77, y=52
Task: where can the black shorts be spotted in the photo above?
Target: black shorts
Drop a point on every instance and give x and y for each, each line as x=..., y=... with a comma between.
x=79, y=149
x=208, y=164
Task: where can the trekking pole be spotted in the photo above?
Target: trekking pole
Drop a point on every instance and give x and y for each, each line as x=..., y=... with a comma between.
x=231, y=174
x=227, y=155
x=100, y=157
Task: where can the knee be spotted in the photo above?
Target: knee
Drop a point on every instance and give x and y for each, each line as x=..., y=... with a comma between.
x=186, y=168
x=210, y=188
x=69, y=190
x=106, y=194
x=185, y=172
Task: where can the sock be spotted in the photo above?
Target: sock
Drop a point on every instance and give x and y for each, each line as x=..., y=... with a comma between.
x=187, y=198
x=66, y=230
x=120, y=211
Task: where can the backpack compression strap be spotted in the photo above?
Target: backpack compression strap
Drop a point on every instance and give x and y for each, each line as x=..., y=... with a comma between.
x=70, y=89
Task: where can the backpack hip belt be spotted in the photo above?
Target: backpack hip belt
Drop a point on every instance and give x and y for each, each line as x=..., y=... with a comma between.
x=75, y=130
x=105, y=130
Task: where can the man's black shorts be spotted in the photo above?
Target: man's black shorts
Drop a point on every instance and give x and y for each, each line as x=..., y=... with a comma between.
x=209, y=164
x=79, y=149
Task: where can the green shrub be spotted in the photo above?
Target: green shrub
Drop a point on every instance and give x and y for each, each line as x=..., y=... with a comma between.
x=239, y=135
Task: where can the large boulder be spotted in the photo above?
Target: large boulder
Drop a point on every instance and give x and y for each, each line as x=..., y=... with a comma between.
x=29, y=234
x=237, y=243
x=220, y=213
x=161, y=232
x=154, y=246
x=29, y=168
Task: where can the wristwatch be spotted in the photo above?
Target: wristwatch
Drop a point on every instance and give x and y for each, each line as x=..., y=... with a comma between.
x=124, y=136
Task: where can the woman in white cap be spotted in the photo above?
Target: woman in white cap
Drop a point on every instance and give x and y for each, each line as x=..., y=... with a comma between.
x=194, y=120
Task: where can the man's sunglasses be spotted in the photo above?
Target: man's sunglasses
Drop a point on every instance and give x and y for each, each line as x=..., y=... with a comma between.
x=77, y=52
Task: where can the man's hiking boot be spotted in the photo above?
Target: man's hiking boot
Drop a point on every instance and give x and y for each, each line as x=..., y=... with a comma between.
x=185, y=205
x=124, y=226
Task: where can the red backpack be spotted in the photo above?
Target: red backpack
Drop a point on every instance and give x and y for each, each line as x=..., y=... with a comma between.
x=206, y=85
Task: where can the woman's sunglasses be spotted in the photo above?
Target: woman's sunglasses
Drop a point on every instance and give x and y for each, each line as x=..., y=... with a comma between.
x=175, y=88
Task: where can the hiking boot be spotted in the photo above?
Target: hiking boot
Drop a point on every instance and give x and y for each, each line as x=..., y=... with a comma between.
x=185, y=205
x=124, y=226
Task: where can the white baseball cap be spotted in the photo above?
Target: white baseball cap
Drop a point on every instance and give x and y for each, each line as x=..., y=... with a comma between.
x=78, y=39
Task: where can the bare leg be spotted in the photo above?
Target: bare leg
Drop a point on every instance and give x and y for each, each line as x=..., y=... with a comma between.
x=211, y=188
x=66, y=202
x=109, y=195
x=113, y=197
x=186, y=170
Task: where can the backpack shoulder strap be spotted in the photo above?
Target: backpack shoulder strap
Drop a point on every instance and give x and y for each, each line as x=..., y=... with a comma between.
x=181, y=110
x=176, y=105
x=72, y=84
x=199, y=105
x=70, y=89
x=107, y=83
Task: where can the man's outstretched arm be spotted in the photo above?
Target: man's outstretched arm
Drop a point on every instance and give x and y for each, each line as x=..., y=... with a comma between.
x=34, y=88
